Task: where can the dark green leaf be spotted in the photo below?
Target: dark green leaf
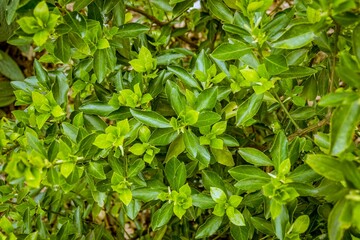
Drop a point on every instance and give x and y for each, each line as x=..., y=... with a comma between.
x=131, y=30
x=150, y=118
x=220, y=10
x=210, y=226
x=229, y=51
x=163, y=137
x=255, y=157
x=343, y=123
x=184, y=76
x=248, y=109
x=326, y=166
x=162, y=216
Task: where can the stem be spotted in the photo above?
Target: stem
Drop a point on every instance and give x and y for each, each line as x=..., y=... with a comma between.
x=148, y=16
x=334, y=57
x=286, y=111
x=311, y=128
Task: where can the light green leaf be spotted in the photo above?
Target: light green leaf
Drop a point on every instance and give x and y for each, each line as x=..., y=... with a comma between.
x=96, y=170
x=218, y=195
x=235, y=216
x=301, y=224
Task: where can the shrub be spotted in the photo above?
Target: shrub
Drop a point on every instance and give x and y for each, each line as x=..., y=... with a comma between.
x=156, y=119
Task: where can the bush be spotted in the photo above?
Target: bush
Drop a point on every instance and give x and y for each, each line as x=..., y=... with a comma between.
x=157, y=119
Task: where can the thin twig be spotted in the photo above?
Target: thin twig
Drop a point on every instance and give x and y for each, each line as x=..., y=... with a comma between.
x=311, y=128
x=147, y=15
x=286, y=111
x=160, y=23
x=188, y=41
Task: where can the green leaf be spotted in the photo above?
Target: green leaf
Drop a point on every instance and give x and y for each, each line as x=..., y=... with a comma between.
x=175, y=173
x=79, y=43
x=135, y=168
x=326, y=166
x=177, y=100
x=280, y=222
x=356, y=42
x=162, y=216
x=220, y=10
x=336, y=227
x=207, y=118
x=301, y=224
x=297, y=72
x=262, y=225
x=184, y=76
x=203, y=201
x=296, y=37
x=303, y=113
x=163, y=137
x=255, y=157
x=248, y=172
x=6, y=225
x=343, y=123
x=41, y=74
x=70, y=131
x=41, y=37
x=80, y=4
x=191, y=143
x=206, y=99
x=223, y=156
x=100, y=62
x=276, y=64
x=131, y=30
x=41, y=11
x=248, y=109
x=218, y=195
x=9, y=68
x=77, y=22
x=35, y=144
x=62, y=48
x=150, y=118
x=279, y=150
x=98, y=108
x=230, y=51
x=212, y=179
x=96, y=170
x=210, y=226
x=235, y=216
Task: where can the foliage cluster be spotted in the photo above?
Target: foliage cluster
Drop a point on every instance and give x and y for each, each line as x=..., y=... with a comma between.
x=155, y=119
